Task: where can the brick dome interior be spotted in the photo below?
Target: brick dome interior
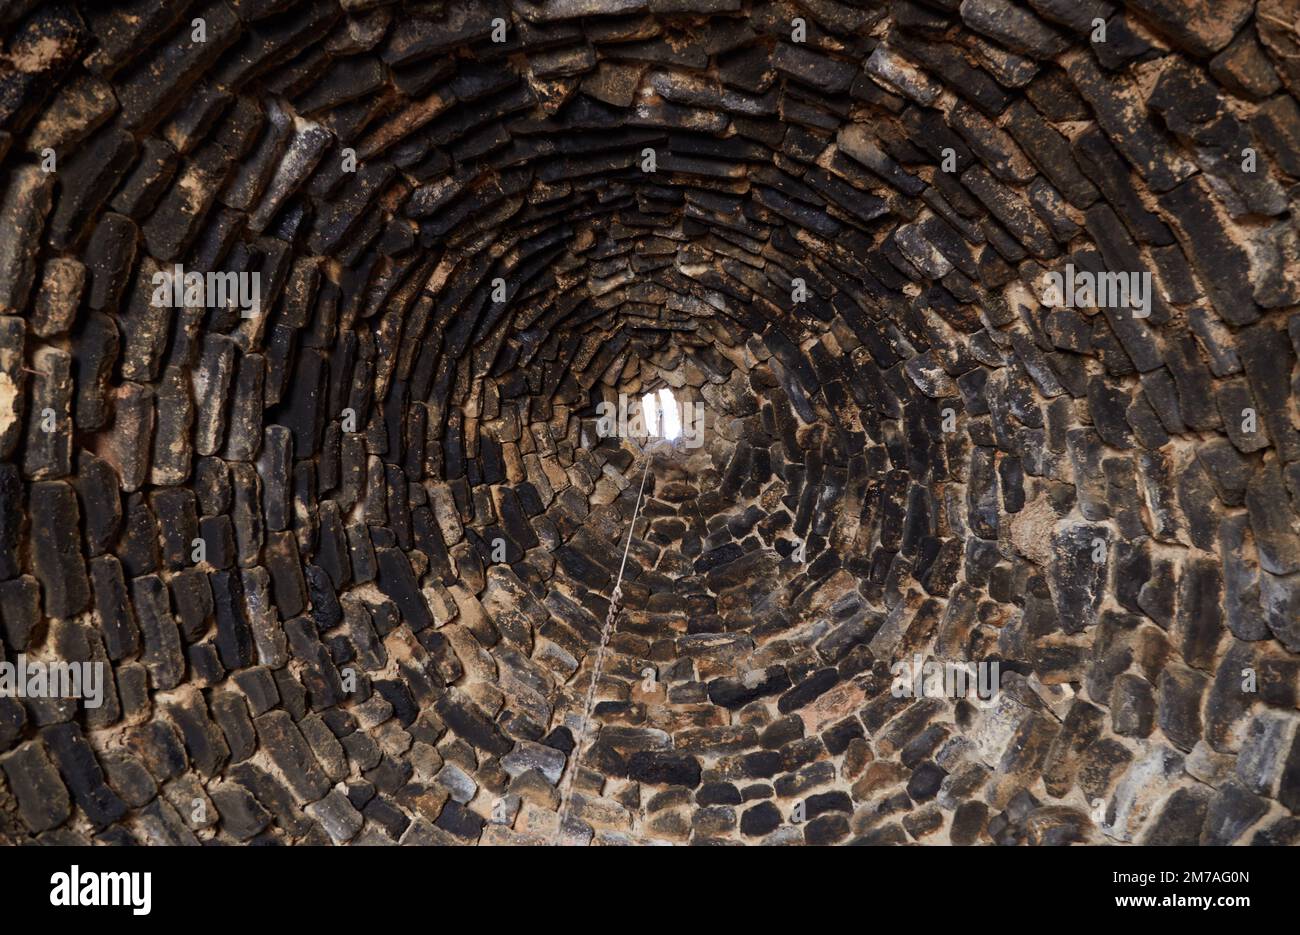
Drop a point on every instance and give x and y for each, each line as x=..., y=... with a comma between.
x=826, y=222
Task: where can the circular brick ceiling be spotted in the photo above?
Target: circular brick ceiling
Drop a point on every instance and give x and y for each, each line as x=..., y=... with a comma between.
x=345, y=551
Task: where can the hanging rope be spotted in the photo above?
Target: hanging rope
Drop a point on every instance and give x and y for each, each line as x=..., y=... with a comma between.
x=615, y=604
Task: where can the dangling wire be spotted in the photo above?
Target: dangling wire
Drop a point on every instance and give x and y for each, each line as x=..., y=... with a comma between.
x=607, y=631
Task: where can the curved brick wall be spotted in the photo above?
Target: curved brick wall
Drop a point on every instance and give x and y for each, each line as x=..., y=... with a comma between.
x=345, y=552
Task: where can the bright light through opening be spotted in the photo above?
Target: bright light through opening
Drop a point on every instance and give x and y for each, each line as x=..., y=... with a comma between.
x=650, y=414
x=660, y=415
x=672, y=419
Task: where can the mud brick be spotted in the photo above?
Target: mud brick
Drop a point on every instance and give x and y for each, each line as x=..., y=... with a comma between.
x=319, y=675
x=234, y=635
x=361, y=552
x=289, y=589
x=1267, y=357
x=398, y=582
x=109, y=711
x=63, y=280
x=133, y=691
x=127, y=776
x=127, y=445
x=20, y=611
x=204, y=663
x=1181, y=693
x=332, y=551
x=56, y=549
x=113, y=611
x=273, y=467
x=101, y=506
x=263, y=618
x=178, y=524
x=204, y=742
x=139, y=192
x=397, y=507
x=87, y=180
x=146, y=326
x=211, y=386
x=66, y=640
x=149, y=91
x=1221, y=264
x=292, y=757
x=212, y=486
x=1011, y=211
x=162, y=825
x=342, y=215
x=218, y=535
x=305, y=498
x=259, y=688
x=1013, y=26
x=82, y=773
x=126, y=31
x=109, y=255
x=363, y=750
x=251, y=176
x=173, y=450
x=232, y=717
x=49, y=417
x=43, y=800
x=246, y=512
x=470, y=724
x=306, y=147
x=1273, y=523
x=242, y=429
x=1128, y=127
x=11, y=519
x=371, y=653
x=326, y=611
x=176, y=222
x=192, y=598
x=1200, y=27
x=138, y=548
x=25, y=204
x=303, y=414
x=1107, y=170
x=163, y=654
x=12, y=345
x=1278, y=125
x=272, y=796
x=352, y=468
